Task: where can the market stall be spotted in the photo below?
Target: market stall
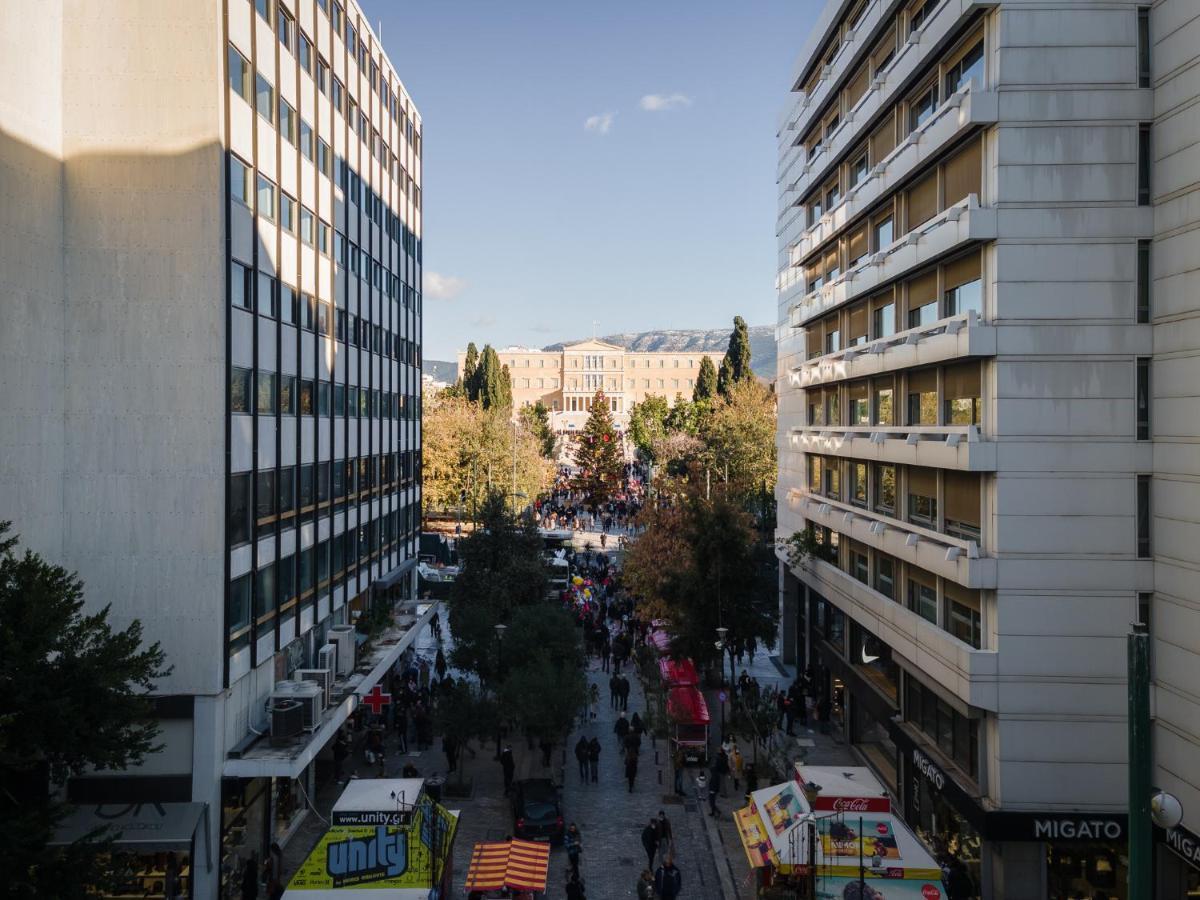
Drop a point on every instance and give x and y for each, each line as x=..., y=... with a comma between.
x=387, y=839
x=514, y=865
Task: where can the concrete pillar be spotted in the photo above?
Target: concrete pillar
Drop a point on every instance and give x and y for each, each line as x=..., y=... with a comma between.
x=208, y=760
x=787, y=615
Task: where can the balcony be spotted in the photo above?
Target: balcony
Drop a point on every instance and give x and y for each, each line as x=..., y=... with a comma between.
x=947, y=339
x=971, y=674
x=938, y=446
x=962, y=111
x=964, y=223
x=884, y=90
x=950, y=557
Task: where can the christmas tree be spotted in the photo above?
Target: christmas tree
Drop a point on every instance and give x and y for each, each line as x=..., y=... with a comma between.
x=598, y=454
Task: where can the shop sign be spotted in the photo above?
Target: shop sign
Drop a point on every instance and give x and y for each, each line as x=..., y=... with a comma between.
x=373, y=817
x=1185, y=844
x=925, y=766
x=1056, y=827
x=362, y=859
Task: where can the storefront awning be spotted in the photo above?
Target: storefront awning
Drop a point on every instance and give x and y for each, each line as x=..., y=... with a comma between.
x=518, y=865
x=391, y=578
x=149, y=827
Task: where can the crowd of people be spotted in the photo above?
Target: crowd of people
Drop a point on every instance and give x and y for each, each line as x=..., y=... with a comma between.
x=566, y=507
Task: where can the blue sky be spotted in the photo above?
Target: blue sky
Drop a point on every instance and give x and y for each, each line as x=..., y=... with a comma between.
x=556, y=195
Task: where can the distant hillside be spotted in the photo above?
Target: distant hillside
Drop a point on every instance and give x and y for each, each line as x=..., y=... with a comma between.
x=762, y=344
x=440, y=370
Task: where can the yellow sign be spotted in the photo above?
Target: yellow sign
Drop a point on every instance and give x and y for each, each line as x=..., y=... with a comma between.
x=380, y=856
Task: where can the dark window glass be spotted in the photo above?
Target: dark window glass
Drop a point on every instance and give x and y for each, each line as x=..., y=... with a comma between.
x=339, y=480
x=323, y=482
x=287, y=489
x=323, y=398
x=287, y=395
x=306, y=570
x=265, y=488
x=285, y=574
x=322, y=562
x=306, y=486
x=265, y=384
x=1143, y=281
x=1143, y=516
x=264, y=591
x=239, y=390
x=339, y=399
x=1143, y=45
x=306, y=398
x=239, y=604
x=239, y=508
x=1144, y=159
x=1143, y=399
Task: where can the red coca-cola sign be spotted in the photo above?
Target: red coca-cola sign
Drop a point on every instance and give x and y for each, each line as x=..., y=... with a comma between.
x=853, y=804
x=931, y=892
x=882, y=828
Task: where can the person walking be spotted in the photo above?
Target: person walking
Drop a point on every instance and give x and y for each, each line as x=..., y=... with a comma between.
x=666, y=838
x=624, y=692
x=605, y=652
x=737, y=763
x=509, y=765
x=621, y=729
x=450, y=748
x=439, y=664
x=650, y=841
x=668, y=880
x=581, y=756
x=402, y=729
x=594, y=699
x=594, y=758
x=614, y=690
x=645, y=885
x=678, y=761
x=573, y=843
x=631, y=767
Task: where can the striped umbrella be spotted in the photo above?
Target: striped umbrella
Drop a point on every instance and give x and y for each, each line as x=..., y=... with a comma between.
x=520, y=865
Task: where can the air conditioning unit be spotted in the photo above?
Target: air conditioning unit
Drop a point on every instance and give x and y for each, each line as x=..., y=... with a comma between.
x=327, y=659
x=343, y=637
x=287, y=720
x=323, y=678
x=310, y=696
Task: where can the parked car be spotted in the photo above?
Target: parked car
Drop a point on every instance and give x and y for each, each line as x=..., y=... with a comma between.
x=537, y=813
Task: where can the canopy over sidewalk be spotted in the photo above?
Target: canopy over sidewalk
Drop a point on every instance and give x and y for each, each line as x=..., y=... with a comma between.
x=517, y=865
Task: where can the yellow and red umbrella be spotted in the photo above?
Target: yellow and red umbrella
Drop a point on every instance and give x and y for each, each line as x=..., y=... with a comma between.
x=518, y=865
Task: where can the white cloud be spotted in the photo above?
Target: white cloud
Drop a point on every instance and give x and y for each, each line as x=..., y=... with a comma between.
x=484, y=321
x=599, y=123
x=662, y=102
x=443, y=287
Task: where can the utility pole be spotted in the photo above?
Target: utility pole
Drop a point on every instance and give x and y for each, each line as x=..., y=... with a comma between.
x=514, y=477
x=1141, y=846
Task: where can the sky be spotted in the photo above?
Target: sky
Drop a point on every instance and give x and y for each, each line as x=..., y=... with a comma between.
x=608, y=163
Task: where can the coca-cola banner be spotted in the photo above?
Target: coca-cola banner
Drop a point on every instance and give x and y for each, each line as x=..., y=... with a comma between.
x=853, y=804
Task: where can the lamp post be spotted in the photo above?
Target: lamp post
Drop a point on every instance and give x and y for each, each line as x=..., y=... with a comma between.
x=722, y=633
x=1140, y=763
x=500, y=629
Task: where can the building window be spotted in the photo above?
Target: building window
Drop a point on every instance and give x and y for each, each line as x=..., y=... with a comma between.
x=266, y=198
x=1143, y=398
x=922, y=599
x=241, y=285
x=885, y=489
x=239, y=390
x=922, y=397
x=287, y=395
x=323, y=238
x=859, y=567
x=306, y=225
x=239, y=508
x=307, y=407
x=265, y=385
x=921, y=106
x=264, y=9
x=265, y=490
x=1143, y=45
x=885, y=576
x=283, y=28
x=1143, y=516
x=858, y=483
x=266, y=295
x=306, y=140
x=305, y=47
x=969, y=68
x=239, y=74
x=884, y=411
x=264, y=98
x=962, y=614
x=1143, y=189
x=238, y=614
x=322, y=76
x=922, y=496
x=287, y=213
x=1143, y=282
x=287, y=121
x=883, y=321
x=884, y=233
x=239, y=181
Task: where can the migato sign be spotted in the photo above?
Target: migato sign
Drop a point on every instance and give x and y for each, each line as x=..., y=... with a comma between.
x=925, y=766
x=1080, y=829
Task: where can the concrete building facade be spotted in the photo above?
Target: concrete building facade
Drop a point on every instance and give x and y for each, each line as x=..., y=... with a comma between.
x=986, y=303
x=210, y=247
x=566, y=380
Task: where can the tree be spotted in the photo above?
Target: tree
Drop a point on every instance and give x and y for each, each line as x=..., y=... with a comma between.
x=543, y=686
x=598, y=454
x=76, y=698
x=467, y=376
x=739, y=438
x=684, y=416
x=735, y=366
x=536, y=420
x=706, y=381
x=648, y=424
x=489, y=382
x=502, y=572
x=505, y=401
x=465, y=712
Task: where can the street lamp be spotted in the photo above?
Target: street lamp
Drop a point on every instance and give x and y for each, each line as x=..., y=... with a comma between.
x=722, y=633
x=500, y=629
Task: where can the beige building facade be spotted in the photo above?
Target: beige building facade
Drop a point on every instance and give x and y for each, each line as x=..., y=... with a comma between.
x=565, y=381
x=988, y=344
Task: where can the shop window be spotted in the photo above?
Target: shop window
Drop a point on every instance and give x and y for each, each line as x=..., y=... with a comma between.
x=922, y=496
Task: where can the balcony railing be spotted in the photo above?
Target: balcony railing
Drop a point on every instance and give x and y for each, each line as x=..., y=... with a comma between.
x=950, y=557
x=950, y=338
x=954, y=227
x=940, y=446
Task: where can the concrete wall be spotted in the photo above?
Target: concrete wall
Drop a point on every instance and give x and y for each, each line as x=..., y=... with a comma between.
x=1175, y=306
x=31, y=274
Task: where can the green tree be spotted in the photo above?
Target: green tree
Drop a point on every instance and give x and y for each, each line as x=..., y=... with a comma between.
x=735, y=366
x=543, y=685
x=536, y=420
x=76, y=698
x=502, y=572
x=598, y=454
x=464, y=712
x=506, y=397
x=706, y=381
x=648, y=424
x=739, y=438
x=685, y=416
x=468, y=375
x=489, y=382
